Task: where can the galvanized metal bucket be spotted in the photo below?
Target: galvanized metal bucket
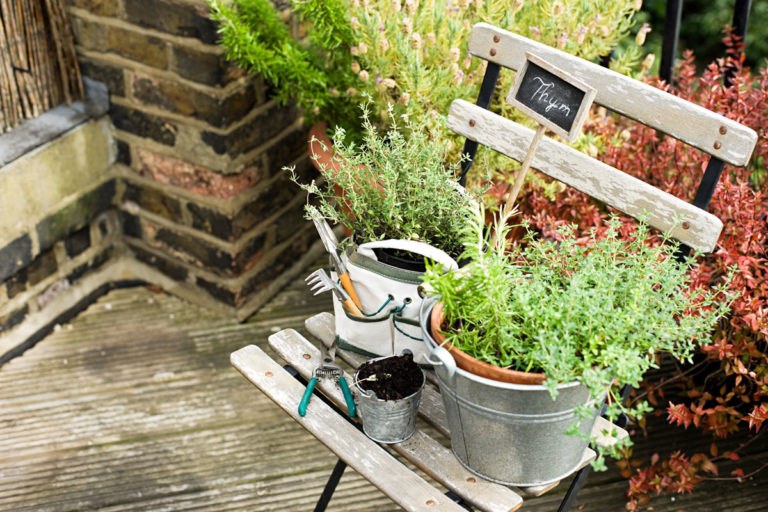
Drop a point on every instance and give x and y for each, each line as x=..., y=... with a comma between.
x=388, y=421
x=508, y=433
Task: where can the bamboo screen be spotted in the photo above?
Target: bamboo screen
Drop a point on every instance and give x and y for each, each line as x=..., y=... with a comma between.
x=38, y=65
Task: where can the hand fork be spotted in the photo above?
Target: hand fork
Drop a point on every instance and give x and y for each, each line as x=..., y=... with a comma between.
x=320, y=282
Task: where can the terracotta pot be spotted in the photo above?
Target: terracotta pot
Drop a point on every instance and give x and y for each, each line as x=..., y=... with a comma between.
x=475, y=366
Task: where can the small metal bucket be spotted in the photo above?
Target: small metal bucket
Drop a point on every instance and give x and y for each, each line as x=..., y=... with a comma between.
x=388, y=421
x=511, y=434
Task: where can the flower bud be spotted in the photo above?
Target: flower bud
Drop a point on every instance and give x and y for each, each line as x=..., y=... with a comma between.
x=478, y=4
x=648, y=62
x=389, y=83
x=363, y=75
x=592, y=150
x=458, y=77
x=454, y=53
x=625, y=135
x=354, y=50
x=535, y=33
x=466, y=62
x=557, y=9
x=410, y=6
x=640, y=37
x=355, y=66
x=416, y=41
x=383, y=44
x=362, y=48
x=432, y=39
x=351, y=91
x=517, y=4
x=562, y=39
x=407, y=26
x=638, y=5
x=463, y=4
x=404, y=98
x=396, y=5
x=581, y=34
x=354, y=23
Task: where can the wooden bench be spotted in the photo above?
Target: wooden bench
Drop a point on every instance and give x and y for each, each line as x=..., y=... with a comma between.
x=365, y=456
x=726, y=140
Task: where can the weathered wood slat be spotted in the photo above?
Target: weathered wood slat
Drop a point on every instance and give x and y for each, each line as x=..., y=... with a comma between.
x=421, y=450
x=682, y=119
x=692, y=226
x=405, y=488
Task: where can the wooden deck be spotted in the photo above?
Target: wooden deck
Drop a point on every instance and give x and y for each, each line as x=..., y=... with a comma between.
x=134, y=406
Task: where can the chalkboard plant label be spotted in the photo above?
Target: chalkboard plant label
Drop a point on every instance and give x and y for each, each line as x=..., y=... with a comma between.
x=551, y=97
x=555, y=100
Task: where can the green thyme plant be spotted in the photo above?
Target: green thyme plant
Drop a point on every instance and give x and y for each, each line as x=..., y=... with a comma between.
x=394, y=187
x=596, y=312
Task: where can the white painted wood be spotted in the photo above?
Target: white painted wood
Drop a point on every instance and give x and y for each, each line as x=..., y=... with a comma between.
x=682, y=119
x=402, y=485
x=421, y=450
x=685, y=222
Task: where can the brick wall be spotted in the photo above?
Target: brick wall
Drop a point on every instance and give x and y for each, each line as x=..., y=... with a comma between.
x=201, y=146
x=180, y=185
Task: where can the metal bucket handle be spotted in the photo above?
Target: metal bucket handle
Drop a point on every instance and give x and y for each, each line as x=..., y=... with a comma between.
x=438, y=356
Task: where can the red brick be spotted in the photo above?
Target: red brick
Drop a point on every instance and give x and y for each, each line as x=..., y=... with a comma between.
x=195, y=178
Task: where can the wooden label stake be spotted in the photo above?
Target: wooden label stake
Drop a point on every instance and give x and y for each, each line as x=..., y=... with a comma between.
x=554, y=99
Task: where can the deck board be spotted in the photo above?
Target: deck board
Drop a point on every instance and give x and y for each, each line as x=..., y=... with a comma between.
x=134, y=406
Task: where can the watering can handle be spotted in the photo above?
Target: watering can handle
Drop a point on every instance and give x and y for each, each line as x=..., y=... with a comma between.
x=412, y=246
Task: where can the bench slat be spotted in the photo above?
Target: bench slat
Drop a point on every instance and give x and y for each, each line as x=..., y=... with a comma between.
x=421, y=450
x=402, y=485
x=646, y=104
x=596, y=179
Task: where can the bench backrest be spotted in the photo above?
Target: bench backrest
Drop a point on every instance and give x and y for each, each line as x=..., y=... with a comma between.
x=724, y=139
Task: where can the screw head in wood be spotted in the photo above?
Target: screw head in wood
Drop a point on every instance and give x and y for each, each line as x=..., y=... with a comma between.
x=471, y=122
x=471, y=480
x=268, y=374
x=496, y=39
x=307, y=356
x=686, y=225
x=723, y=130
x=431, y=502
x=717, y=145
x=493, y=52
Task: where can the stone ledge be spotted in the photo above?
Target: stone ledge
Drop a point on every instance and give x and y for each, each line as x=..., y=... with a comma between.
x=33, y=133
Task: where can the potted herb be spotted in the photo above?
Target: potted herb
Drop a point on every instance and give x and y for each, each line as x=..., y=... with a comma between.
x=394, y=185
x=401, y=204
x=389, y=391
x=588, y=317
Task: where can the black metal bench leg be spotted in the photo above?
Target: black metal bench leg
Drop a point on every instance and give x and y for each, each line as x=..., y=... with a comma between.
x=330, y=486
x=575, y=487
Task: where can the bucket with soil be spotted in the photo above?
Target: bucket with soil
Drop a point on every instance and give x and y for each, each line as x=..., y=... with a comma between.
x=389, y=390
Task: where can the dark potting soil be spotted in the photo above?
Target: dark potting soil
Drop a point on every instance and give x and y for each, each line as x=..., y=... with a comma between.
x=396, y=377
